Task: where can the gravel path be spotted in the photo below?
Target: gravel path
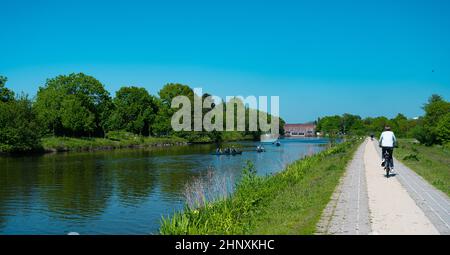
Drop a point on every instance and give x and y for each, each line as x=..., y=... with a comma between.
x=366, y=202
x=392, y=210
x=434, y=203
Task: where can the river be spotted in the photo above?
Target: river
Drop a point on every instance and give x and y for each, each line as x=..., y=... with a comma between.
x=119, y=191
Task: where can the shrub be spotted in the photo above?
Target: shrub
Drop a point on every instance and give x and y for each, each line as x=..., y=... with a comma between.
x=121, y=135
x=443, y=129
x=19, y=131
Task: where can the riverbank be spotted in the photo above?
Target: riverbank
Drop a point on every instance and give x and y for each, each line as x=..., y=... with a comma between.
x=64, y=144
x=430, y=162
x=71, y=144
x=119, y=140
x=290, y=202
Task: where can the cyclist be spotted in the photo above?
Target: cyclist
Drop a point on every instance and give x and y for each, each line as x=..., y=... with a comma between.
x=387, y=143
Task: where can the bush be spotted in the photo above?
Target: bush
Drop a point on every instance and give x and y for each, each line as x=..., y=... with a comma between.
x=443, y=130
x=121, y=135
x=425, y=135
x=19, y=131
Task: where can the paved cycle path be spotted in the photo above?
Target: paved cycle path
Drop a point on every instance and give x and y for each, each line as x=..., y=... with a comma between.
x=366, y=202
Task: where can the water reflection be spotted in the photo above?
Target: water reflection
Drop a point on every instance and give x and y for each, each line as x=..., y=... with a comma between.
x=74, y=186
x=135, y=179
x=121, y=191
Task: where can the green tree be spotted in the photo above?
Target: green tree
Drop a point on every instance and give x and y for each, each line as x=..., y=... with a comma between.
x=48, y=109
x=443, y=129
x=162, y=124
x=76, y=117
x=86, y=92
x=5, y=94
x=134, y=111
x=435, y=109
x=352, y=124
x=330, y=125
x=19, y=131
x=433, y=127
x=401, y=125
x=377, y=125
x=172, y=90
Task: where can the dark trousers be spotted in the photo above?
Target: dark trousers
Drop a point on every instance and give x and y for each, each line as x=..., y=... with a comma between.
x=390, y=150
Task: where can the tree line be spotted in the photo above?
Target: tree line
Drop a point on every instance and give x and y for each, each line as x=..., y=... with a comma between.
x=432, y=128
x=78, y=105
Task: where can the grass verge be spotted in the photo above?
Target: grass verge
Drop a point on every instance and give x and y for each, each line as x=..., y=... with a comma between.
x=430, y=162
x=290, y=202
x=58, y=144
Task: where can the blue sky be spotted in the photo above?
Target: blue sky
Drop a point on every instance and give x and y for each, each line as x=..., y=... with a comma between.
x=321, y=57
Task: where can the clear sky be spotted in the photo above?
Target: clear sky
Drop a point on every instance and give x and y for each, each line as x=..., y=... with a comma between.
x=321, y=57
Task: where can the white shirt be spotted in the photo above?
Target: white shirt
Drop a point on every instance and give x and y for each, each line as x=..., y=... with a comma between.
x=387, y=139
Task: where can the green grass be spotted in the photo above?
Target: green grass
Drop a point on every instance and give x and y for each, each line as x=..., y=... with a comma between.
x=430, y=162
x=233, y=136
x=229, y=136
x=116, y=141
x=290, y=202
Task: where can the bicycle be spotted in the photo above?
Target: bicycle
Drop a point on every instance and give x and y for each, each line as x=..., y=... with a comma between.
x=387, y=162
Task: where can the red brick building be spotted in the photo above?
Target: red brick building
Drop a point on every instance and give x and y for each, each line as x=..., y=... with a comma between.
x=301, y=130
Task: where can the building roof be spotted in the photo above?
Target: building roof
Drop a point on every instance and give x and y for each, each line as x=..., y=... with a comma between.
x=303, y=126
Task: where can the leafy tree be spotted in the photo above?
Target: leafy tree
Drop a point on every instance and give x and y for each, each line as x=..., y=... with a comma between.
x=162, y=124
x=88, y=95
x=351, y=124
x=330, y=125
x=172, y=90
x=400, y=124
x=435, y=109
x=378, y=124
x=19, y=131
x=48, y=109
x=76, y=117
x=5, y=94
x=443, y=129
x=433, y=127
x=134, y=111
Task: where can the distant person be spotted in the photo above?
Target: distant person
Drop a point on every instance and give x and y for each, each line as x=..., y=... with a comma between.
x=387, y=143
x=371, y=136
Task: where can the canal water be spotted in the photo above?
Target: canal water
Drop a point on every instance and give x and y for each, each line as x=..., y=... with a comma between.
x=120, y=191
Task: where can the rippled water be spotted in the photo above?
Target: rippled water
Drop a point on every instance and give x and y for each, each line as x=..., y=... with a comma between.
x=121, y=191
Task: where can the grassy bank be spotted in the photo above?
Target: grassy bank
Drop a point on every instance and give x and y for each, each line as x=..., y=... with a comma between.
x=234, y=136
x=290, y=202
x=112, y=141
x=430, y=162
x=229, y=136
